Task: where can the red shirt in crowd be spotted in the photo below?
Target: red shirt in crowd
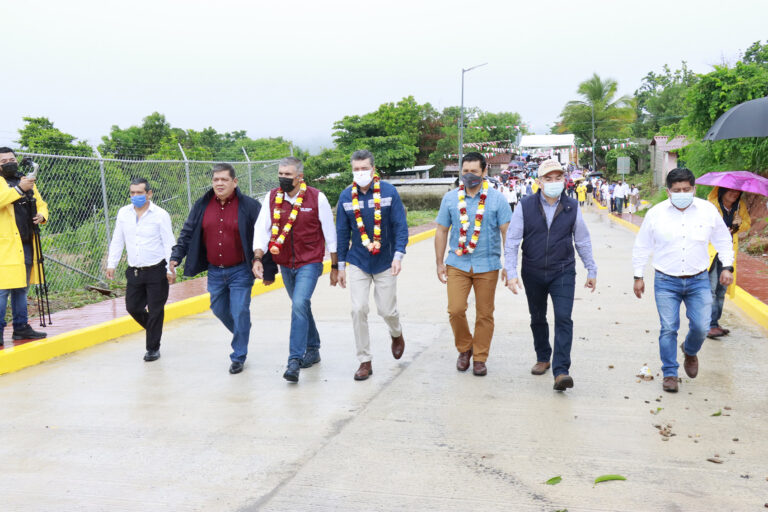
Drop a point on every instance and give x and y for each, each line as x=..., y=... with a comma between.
x=221, y=234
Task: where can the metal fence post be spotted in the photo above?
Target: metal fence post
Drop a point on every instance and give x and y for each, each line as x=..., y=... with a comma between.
x=250, y=173
x=104, y=196
x=189, y=185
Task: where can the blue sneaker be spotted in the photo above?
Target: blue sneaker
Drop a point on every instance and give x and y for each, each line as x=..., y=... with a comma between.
x=311, y=356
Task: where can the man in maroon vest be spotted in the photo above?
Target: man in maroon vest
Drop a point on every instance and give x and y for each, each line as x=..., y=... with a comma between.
x=296, y=229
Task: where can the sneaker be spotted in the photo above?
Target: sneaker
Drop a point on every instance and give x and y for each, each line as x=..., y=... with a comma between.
x=311, y=356
x=27, y=333
x=292, y=371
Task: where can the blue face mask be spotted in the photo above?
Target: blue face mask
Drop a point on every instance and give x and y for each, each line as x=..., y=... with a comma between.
x=139, y=201
x=553, y=188
x=681, y=200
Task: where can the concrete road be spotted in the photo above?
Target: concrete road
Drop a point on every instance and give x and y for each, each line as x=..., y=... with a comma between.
x=102, y=430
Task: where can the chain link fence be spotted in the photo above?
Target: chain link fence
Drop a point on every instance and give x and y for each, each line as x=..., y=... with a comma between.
x=84, y=195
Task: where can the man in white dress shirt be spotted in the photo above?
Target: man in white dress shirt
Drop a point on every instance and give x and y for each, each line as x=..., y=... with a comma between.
x=678, y=231
x=145, y=230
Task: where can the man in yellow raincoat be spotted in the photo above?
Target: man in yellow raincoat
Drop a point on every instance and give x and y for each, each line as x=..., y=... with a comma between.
x=736, y=218
x=18, y=260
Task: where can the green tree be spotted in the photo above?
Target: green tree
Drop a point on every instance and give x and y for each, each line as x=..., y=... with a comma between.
x=39, y=135
x=612, y=116
x=660, y=100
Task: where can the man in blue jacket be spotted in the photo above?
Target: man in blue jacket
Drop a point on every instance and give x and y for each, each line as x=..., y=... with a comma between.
x=217, y=237
x=375, y=254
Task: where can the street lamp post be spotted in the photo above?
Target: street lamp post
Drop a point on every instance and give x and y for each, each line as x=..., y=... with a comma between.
x=461, y=116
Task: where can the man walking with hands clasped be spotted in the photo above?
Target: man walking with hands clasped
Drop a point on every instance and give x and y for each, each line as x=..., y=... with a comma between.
x=371, y=216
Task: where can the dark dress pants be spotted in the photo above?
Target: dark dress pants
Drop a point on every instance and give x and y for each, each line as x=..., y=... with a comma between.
x=145, y=297
x=560, y=285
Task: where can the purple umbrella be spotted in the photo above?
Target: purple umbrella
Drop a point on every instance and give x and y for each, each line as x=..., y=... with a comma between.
x=736, y=180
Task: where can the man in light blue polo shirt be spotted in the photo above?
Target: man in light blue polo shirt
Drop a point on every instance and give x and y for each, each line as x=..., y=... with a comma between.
x=477, y=217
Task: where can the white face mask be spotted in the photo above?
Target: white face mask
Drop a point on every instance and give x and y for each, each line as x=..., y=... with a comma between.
x=681, y=200
x=362, y=178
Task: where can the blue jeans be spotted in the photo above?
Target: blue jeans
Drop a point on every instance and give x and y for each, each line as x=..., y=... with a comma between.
x=718, y=293
x=18, y=307
x=18, y=304
x=300, y=284
x=696, y=294
x=230, y=290
x=560, y=285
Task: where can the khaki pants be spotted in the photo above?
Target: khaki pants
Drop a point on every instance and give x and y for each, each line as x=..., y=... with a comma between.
x=459, y=285
x=385, y=295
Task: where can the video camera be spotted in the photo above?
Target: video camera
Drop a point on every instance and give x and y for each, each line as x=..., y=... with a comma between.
x=28, y=163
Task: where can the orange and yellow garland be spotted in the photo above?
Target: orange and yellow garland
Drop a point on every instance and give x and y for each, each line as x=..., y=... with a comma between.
x=276, y=242
x=375, y=246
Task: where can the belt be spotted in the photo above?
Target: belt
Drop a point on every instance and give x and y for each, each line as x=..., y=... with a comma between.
x=156, y=265
x=682, y=277
x=227, y=266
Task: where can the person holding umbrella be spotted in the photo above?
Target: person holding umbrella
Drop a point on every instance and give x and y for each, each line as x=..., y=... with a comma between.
x=736, y=218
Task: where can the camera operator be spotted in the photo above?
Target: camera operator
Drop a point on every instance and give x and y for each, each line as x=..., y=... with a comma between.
x=20, y=207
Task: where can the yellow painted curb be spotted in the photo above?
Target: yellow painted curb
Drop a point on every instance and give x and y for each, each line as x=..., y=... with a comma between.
x=753, y=307
x=16, y=358
x=750, y=305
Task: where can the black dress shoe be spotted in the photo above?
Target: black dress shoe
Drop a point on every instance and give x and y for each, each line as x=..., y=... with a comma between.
x=235, y=367
x=152, y=355
x=292, y=371
x=28, y=333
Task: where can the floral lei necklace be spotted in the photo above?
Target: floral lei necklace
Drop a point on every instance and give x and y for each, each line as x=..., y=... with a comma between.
x=464, y=218
x=375, y=246
x=275, y=241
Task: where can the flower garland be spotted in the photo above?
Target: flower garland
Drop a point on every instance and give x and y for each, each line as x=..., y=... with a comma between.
x=275, y=241
x=464, y=218
x=375, y=246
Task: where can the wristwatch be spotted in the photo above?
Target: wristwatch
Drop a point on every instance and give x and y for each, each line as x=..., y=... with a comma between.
x=638, y=278
x=335, y=266
x=729, y=269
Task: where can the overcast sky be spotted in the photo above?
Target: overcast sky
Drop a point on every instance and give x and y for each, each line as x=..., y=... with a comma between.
x=292, y=68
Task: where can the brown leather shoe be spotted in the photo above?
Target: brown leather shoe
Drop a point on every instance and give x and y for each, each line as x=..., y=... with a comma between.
x=479, y=369
x=462, y=363
x=691, y=364
x=670, y=384
x=398, y=346
x=540, y=368
x=364, y=371
x=715, y=332
x=563, y=382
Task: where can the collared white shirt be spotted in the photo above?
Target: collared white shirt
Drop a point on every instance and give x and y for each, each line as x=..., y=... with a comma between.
x=679, y=239
x=263, y=227
x=148, y=239
x=619, y=191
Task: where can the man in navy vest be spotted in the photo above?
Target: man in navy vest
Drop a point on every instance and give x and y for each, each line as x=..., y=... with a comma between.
x=299, y=252
x=548, y=224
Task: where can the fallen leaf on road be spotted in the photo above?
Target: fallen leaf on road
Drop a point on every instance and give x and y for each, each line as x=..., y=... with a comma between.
x=608, y=478
x=554, y=480
x=715, y=460
x=718, y=413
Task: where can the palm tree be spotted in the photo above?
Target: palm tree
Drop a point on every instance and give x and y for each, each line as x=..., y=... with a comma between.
x=599, y=114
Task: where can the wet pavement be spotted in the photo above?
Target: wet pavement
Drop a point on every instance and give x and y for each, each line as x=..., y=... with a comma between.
x=102, y=430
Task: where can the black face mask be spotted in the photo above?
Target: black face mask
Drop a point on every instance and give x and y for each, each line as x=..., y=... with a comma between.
x=286, y=184
x=10, y=169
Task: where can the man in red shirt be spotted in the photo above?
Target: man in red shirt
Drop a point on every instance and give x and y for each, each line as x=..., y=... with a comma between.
x=217, y=237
